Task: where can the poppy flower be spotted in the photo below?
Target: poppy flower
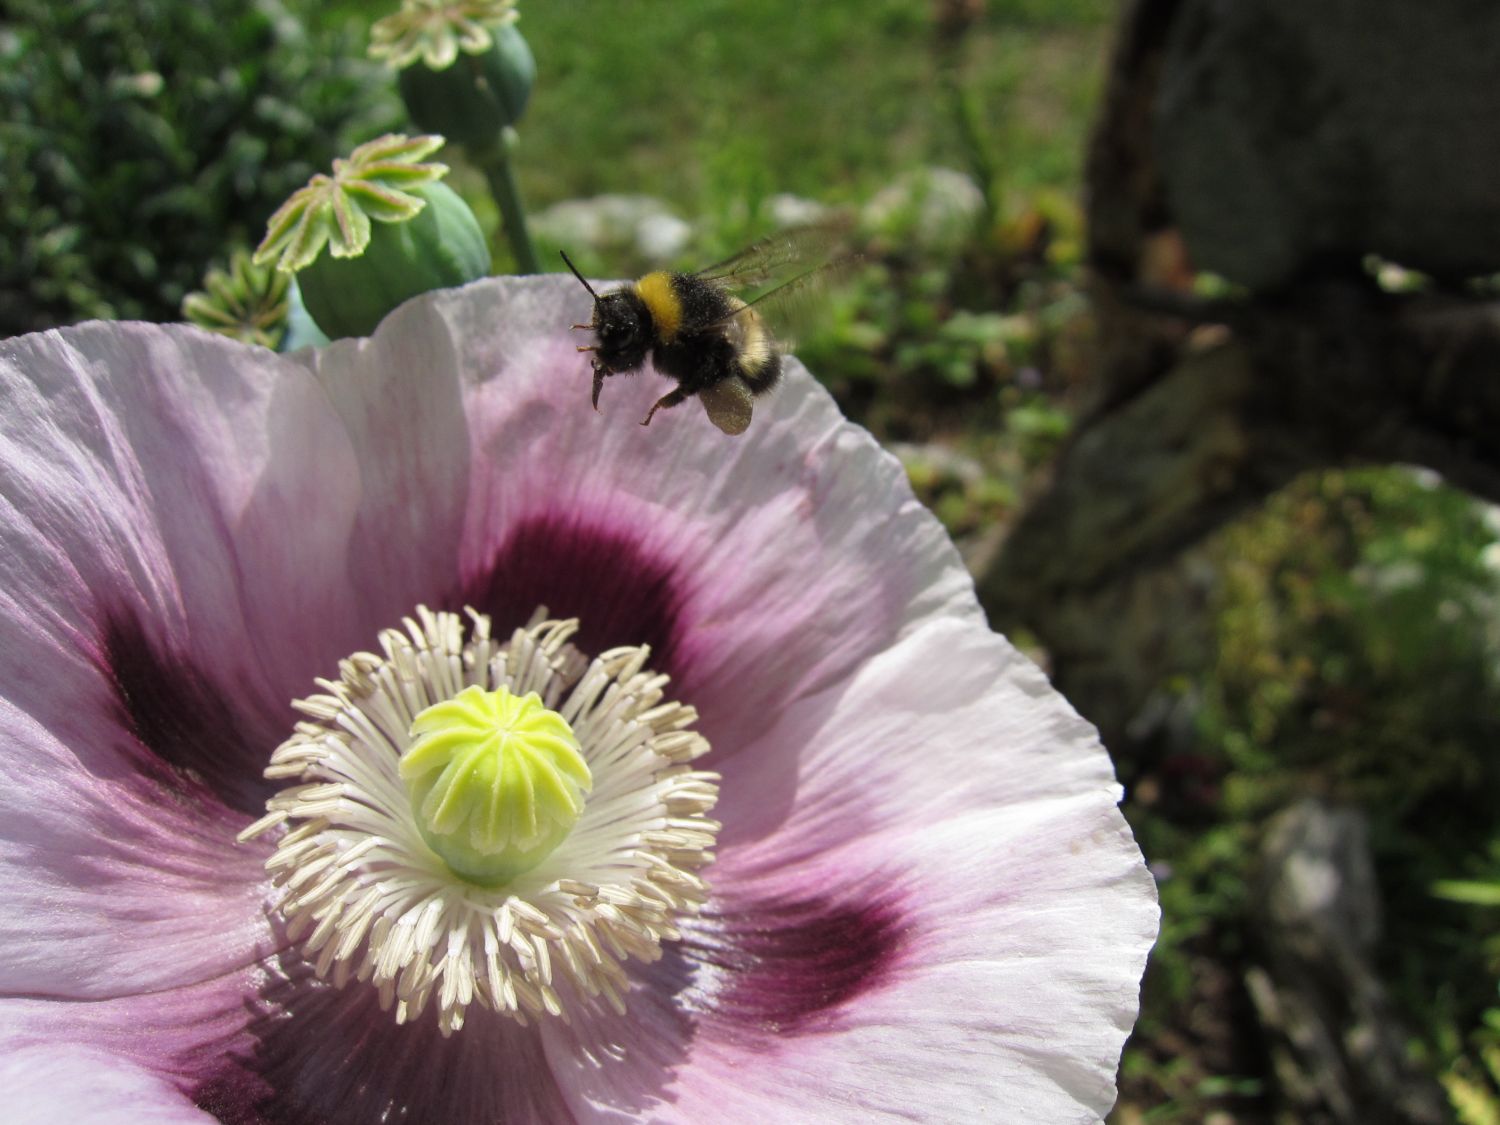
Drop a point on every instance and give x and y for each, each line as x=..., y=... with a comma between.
x=797, y=836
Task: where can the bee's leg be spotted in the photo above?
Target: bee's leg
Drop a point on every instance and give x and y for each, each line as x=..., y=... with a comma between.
x=599, y=374
x=666, y=402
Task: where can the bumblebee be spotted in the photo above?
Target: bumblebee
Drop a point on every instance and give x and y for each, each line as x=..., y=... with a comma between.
x=695, y=329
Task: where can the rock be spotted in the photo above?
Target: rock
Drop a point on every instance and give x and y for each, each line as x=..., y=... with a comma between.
x=933, y=208
x=1337, y=1048
x=788, y=210
x=630, y=230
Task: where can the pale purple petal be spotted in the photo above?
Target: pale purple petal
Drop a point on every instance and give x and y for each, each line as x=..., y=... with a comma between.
x=151, y=476
x=992, y=961
x=950, y=719
x=114, y=884
x=950, y=911
x=180, y=520
x=204, y=1040
x=274, y=1045
x=175, y=508
x=399, y=400
x=926, y=899
x=313, y=1053
x=119, y=1061
x=759, y=568
x=61, y=1083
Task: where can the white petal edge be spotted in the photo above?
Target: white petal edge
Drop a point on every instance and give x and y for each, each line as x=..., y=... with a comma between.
x=50, y=1082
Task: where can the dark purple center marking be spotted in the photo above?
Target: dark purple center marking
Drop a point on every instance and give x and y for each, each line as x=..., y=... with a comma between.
x=189, y=726
x=621, y=593
x=789, y=967
x=316, y=1055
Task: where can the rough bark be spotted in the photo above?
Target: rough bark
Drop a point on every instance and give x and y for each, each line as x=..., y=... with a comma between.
x=1202, y=410
x=1350, y=375
x=1290, y=132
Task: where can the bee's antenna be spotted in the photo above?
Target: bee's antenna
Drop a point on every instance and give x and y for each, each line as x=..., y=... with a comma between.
x=578, y=275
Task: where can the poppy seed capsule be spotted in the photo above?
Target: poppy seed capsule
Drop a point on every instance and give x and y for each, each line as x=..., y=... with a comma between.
x=496, y=782
x=475, y=98
x=441, y=246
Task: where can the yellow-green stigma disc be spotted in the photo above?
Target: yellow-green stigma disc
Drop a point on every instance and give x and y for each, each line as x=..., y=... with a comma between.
x=496, y=782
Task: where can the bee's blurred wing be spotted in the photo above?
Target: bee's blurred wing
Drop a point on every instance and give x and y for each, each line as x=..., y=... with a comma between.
x=772, y=261
x=729, y=405
x=794, y=308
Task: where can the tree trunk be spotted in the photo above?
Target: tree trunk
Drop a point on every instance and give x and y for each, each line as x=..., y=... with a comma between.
x=1203, y=409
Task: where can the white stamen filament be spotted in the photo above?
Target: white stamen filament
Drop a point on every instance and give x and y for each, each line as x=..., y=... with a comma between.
x=368, y=899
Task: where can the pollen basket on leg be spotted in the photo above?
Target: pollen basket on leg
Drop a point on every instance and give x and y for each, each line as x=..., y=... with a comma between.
x=370, y=901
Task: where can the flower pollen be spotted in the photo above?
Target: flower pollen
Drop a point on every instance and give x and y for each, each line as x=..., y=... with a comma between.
x=496, y=781
x=441, y=739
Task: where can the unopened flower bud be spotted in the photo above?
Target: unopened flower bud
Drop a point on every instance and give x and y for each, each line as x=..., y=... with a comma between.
x=247, y=302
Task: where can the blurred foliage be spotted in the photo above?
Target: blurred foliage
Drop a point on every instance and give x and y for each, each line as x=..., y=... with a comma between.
x=1357, y=660
x=1472, y=1078
x=1349, y=591
x=942, y=337
x=139, y=139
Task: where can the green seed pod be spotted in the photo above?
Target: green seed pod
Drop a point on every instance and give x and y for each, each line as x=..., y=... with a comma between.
x=441, y=246
x=474, y=98
x=496, y=782
x=391, y=230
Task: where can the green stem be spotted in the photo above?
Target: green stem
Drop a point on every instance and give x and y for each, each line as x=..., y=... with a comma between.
x=966, y=118
x=971, y=134
x=494, y=160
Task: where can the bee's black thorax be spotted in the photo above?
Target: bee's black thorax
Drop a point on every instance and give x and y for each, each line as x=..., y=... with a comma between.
x=624, y=329
x=701, y=302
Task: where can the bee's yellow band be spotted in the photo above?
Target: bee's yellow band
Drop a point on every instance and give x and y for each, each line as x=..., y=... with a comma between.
x=662, y=302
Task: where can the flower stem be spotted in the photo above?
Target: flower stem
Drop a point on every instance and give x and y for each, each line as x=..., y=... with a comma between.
x=494, y=160
x=952, y=54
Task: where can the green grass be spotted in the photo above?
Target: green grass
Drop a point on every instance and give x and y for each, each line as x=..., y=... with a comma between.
x=719, y=103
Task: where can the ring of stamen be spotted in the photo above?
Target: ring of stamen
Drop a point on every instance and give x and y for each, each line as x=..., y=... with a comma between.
x=369, y=900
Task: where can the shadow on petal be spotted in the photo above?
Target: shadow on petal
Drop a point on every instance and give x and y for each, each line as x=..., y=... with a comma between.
x=749, y=972
x=749, y=977
x=331, y=1056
